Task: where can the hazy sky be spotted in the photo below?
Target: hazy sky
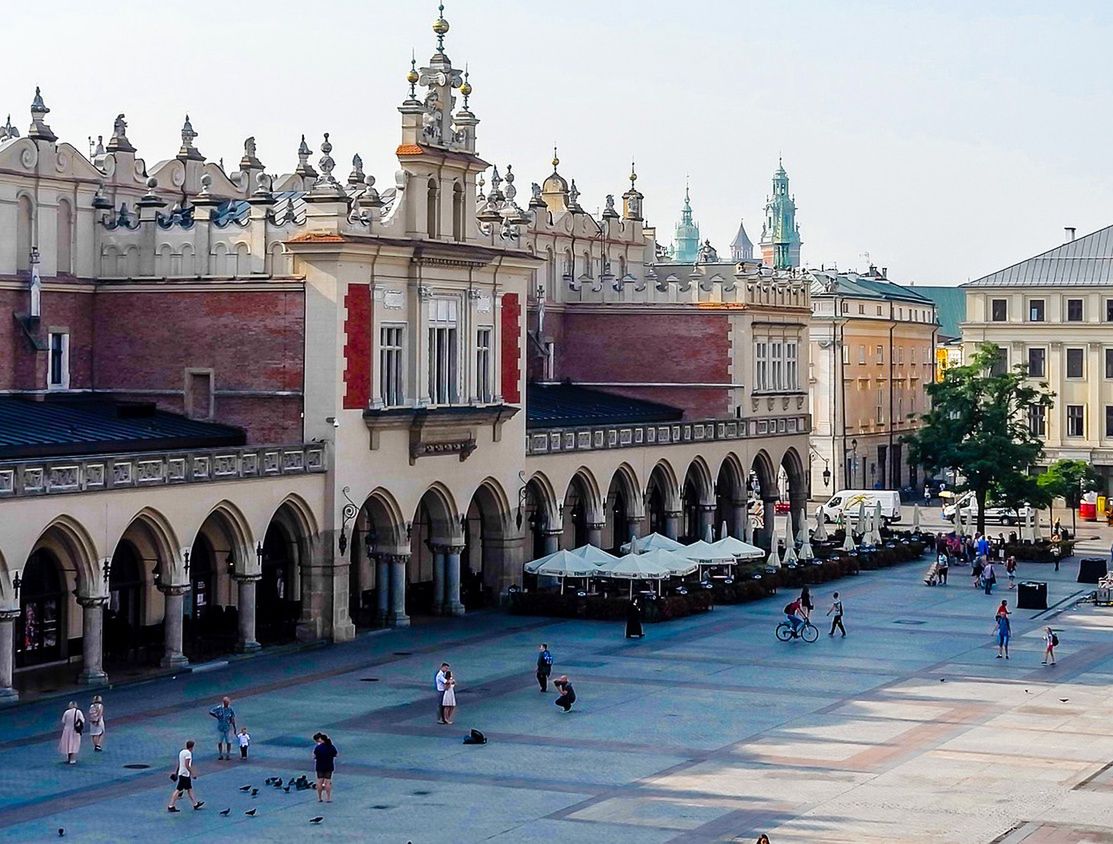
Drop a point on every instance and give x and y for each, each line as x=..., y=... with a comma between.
x=946, y=139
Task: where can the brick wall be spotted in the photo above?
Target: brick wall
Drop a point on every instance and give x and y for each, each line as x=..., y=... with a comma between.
x=252, y=340
x=357, y=347
x=511, y=328
x=21, y=367
x=630, y=346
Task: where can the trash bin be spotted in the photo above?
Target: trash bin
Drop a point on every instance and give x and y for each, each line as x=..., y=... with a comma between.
x=1092, y=569
x=1031, y=595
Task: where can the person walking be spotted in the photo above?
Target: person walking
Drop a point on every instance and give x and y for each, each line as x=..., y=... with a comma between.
x=245, y=742
x=439, y=684
x=183, y=777
x=567, y=693
x=1004, y=631
x=96, y=723
x=1050, y=641
x=449, y=699
x=976, y=572
x=634, y=621
x=225, y=717
x=806, y=604
x=324, y=761
x=73, y=725
x=1010, y=567
x=544, y=666
x=836, y=611
x=989, y=577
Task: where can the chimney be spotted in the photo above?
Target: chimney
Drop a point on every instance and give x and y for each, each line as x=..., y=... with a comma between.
x=1070, y=230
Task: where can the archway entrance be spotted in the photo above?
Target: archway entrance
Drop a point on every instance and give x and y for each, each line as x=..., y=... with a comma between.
x=124, y=633
x=576, y=514
x=621, y=513
x=41, y=629
x=277, y=594
x=662, y=501
x=696, y=513
x=482, y=568
x=435, y=535
x=207, y=631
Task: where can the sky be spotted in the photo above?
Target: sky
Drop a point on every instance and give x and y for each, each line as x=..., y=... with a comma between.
x=942, y=140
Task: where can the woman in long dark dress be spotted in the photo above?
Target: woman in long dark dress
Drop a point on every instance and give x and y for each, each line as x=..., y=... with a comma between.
x=634, y=621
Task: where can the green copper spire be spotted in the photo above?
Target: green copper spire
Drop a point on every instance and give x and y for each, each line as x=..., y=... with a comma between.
x=780, y=236
x=686, y=239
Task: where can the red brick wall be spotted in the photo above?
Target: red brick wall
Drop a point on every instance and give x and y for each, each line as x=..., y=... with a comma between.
x=357, y=347
x=630, y=347
x=21, y=368
x=511, y=328
x=252, y=340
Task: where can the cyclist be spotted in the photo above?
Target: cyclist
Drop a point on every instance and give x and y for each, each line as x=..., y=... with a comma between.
x=794, y=614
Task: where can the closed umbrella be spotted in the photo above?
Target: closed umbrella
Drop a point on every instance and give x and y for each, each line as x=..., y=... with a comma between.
x=790, y=547
x=861, y=525
x=708, y=535
x=1035, y=525
x=958, y=521
x=915, y=518
x=805, y=552
x=848, y=543
x=748, y=526
x=774, y=560
x=876, y=524
x=820, y=525
x=723, y=532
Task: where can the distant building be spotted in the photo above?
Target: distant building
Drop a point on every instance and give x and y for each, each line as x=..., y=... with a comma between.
x=780, y=235
x=950, y=306
x=686, y=242
x=1054, y=313
x=741, y=248
x=871, y=357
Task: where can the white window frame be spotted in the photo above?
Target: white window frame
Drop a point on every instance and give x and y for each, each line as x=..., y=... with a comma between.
x=1081, y=419
x=443, y=351
x=761, y=365
x=776, y=359
x=63, y=352
x=1066, y=363
x=792, y=370
x=484, y=368
x=392, y=364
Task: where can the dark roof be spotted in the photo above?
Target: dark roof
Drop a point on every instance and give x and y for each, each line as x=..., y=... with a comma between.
x=830, y=283
x=51, y=428
x=1086, y=261
x=950, y=308
x=569, y=406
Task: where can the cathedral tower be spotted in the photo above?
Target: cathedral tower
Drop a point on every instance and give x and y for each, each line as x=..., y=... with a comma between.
x=780, y=235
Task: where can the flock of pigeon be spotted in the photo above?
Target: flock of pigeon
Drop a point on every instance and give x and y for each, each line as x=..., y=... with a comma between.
x=300, y=783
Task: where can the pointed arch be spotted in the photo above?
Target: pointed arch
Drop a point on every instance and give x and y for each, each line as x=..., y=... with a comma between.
x=440, y=504
x=700, y=476
x=230, y=520
x=494, y=506
x=664, y=477
x=385, y=520
x=160, y=539
x=79, y=549
x=301, y=512
x=589, y=487
x=544, y=496
x=762, y=467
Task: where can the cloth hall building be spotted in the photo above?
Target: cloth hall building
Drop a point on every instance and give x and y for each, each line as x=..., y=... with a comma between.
x=238, y=407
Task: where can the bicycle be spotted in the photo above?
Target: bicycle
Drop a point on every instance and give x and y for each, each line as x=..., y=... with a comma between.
x=806, y=631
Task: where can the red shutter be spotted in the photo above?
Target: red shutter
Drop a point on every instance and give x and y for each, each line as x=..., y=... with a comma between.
x=357, y=347
x=511, y=349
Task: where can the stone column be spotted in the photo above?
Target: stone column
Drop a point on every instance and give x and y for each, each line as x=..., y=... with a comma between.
x=633, y=528
x=92, y=639
x=706, y=520
x=770, y=515
x=382, y=588
x=172, y=626
x=738, y=516
x=595, y=534
x=552, y=541
x=439, y=590
x=798, y=510
x=7, y=655
x=396, y=617
x=672, y=523
x=452, y=603
x=246, y=643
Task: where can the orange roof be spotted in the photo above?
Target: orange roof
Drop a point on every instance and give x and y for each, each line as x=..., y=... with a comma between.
x=409, y=149
x=317, y=237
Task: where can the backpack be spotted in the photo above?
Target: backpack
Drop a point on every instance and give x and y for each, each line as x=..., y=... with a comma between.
x=1054, y=640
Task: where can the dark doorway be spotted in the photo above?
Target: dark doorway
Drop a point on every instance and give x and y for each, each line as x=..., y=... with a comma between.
x=123, y=617
x=276, y=613
x=40, y=633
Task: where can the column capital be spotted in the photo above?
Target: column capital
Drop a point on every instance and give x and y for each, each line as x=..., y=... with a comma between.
x=446, y=548
x=708, y=507
x=9, y=614
x=245, y=577
x=90, y=601
x=396, y=559
x=596, y=525
x=174, y=588
x=673, y=514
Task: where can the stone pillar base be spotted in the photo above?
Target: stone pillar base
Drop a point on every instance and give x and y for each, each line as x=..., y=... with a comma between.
x=175, y=661
x=247, y=647
x=454, y=609
x=393, y=620
x=8, y=695
x=344, y=631
x=92, y=678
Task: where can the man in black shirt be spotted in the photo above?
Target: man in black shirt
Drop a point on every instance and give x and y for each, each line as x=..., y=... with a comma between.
x=544, y=666
x=567, y=693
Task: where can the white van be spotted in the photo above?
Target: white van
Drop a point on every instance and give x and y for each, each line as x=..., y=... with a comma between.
x=848, y=501
x=968, y=504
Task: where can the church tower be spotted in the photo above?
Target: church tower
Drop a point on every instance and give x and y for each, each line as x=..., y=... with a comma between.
x=685, y=245
x=780, y=235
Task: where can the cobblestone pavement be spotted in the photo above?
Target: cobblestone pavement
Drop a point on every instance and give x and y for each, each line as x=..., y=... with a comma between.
x=708, y=729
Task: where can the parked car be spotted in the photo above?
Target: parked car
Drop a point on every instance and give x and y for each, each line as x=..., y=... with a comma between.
x=995, y=513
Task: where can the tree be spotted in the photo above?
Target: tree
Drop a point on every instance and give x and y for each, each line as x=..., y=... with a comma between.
x=1069, y=479
x=978, y=425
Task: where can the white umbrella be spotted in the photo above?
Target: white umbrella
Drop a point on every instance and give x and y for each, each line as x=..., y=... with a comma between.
x=653, y=565
x=805, y=552
x=562, y=564
x=876, y=524
x=723, y=532
x=708, y=535
x=958, y=521
x=915, y=518
x=748, y=526
x=653, y=542
x=774, y=560
x=595, y=556
x=704, y=551
x=861, y=517
x=848, y=543
x=820, y=526
x=790, y=547
x=737, y=548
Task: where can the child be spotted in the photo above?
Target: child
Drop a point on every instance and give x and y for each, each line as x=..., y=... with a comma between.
x=1010, y=567
x=1050, y=640
x=245, y=742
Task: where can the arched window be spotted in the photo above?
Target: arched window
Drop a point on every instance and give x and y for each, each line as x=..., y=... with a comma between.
x=65, y=237
x=458, y=213
x=23, y=228
x=433, y=209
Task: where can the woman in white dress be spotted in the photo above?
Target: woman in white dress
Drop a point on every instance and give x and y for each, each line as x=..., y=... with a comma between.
x=73, y=722
x=449, y=700
x=96, y=723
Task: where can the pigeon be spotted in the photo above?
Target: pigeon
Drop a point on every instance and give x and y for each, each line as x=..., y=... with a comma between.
x=1063, y=699
x=254, y=792
x=245, y=788
x=268, y=781
x=251, y=812
x=224, y=813
x=317, y=819
x=61, y=832
x=287, y=789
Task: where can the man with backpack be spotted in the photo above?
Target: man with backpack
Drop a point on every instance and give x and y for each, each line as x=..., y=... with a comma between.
x=544, y=666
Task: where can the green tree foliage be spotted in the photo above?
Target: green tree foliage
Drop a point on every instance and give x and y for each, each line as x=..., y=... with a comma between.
x=1069, y=479
x=978, y=426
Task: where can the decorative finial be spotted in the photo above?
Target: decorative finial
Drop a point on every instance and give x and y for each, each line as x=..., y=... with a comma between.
x=37, y=104
x=479, y=193
x=556, y=160
x=326, y=162
x=510, y=191
x=304, y=168
x=633, y=175
x=357, y=176
x=39, y=129
x=188, y=150
x=413, y=76
x=440, y=27
x=8, y=132
x=466, y=88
